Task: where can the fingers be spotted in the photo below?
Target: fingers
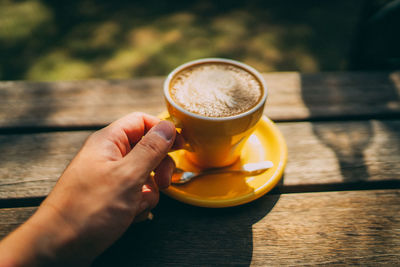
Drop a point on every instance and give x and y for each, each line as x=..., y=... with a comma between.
x=179, y=142
x=163, y=172
x=127, y=131
x=147, y=154
x=150, y=197
x=146, y=215
x=136, y=124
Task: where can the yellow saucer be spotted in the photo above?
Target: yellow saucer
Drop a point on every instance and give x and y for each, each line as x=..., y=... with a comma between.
x=227, y=190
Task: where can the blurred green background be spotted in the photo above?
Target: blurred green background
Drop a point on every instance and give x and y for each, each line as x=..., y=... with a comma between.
x=67, y=40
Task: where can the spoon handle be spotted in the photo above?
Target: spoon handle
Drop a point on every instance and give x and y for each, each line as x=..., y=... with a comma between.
x=183, y=177
x=211, y=172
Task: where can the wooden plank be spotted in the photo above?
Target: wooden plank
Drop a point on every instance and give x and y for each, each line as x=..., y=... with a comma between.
x=11, y=218
x=30, y=164
x=321, y=154
x=295, y=96
x=342, y=152
x=292, y=96
x=347, y=228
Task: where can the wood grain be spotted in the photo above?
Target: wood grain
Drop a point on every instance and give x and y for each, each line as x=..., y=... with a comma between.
x=30, y=164
x=342, y=152
x=11, y=218
x=344, y=228
x=292, y=96
x=321, y=154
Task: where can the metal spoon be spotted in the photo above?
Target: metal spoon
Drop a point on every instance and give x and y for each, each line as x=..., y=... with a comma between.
x=250, y=169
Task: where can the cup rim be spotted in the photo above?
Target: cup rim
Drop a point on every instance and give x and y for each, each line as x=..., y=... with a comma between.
x=217, y=60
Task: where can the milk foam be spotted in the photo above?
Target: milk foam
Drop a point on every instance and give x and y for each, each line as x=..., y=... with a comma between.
x=215, y=90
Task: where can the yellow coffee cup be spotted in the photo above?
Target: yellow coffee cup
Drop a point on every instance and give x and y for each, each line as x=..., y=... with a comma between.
x=214, y=141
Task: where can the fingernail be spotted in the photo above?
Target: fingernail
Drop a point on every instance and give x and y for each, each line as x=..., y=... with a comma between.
x=164, y=129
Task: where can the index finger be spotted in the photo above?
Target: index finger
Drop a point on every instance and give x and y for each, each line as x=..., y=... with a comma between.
x=132, y=126
x=128, y=130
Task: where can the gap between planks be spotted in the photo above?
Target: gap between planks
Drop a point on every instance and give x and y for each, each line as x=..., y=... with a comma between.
x=73, y=128
x=279, y=190
x=348, y=228
x=322, y=156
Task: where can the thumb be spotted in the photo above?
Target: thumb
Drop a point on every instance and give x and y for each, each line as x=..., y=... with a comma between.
x=147, y=154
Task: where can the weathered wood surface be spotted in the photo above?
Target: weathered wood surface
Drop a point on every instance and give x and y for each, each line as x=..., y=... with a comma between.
x=345, y=228
x=30, y=164
x=320, y=154
x=11, y=218
x=292, y=96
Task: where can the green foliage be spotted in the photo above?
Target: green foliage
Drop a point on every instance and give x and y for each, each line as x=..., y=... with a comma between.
x=63, y=40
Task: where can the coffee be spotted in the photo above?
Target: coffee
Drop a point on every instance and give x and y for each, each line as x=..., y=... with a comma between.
x=203, y=96
x=215, y=89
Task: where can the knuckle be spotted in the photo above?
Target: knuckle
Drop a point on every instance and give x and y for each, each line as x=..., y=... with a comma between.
x=137, y=114
x=167, y=164
x=154, y=202
x=150, y=147
x=94, y=135
x=132, y=177
x=170, y=161
x=93, y=138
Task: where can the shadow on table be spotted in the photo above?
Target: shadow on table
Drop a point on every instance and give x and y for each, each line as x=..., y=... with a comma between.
x=183, y=235
x=334, y=99
x=32, y=115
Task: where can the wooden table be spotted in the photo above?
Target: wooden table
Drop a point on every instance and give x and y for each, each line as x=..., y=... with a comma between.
x=339, y=202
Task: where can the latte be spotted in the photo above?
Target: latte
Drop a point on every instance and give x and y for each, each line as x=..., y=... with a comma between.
x=215, y=89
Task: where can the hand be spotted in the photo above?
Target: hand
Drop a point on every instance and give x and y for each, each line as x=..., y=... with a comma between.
x=104, y=189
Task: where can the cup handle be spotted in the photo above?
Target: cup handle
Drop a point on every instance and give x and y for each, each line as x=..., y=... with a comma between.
x=178, y=127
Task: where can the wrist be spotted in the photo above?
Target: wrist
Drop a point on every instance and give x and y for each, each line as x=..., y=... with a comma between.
x=44, y=240
x=60, y=242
